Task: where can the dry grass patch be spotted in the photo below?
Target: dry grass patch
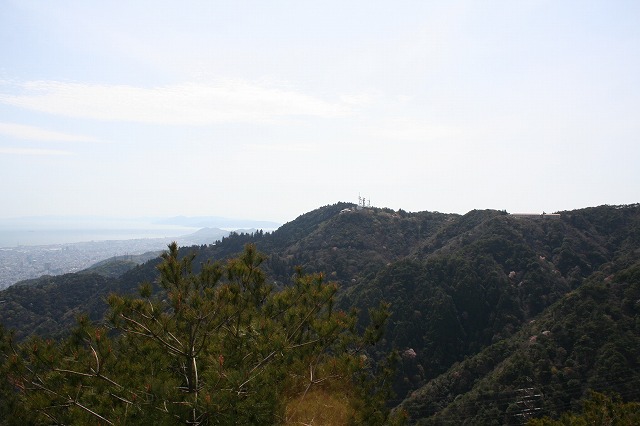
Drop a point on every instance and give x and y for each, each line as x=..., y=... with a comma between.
x=319, y=407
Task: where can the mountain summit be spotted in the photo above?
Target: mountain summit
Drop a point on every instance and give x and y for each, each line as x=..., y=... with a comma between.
x=483, y=304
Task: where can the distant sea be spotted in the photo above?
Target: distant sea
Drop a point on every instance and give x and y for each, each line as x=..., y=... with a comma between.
x=40, y=237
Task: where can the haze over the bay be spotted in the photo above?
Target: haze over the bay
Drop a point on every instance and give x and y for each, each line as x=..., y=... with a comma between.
x=267, y=110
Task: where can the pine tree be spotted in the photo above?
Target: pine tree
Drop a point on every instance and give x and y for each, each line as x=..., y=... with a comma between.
x=215, y=347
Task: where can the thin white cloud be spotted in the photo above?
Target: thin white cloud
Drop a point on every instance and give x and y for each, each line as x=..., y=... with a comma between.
x=264, y=149
x=360, y=99
x=179, y=104
x=33, y=151
x=21, y=131
x=411, y=130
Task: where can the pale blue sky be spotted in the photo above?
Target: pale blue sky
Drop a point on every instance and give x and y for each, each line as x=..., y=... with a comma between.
x=266, y=110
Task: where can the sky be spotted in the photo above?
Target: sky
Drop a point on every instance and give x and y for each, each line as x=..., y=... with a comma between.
x=267, y=110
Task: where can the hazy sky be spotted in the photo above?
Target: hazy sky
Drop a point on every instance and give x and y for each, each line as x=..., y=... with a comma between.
x=269, y=109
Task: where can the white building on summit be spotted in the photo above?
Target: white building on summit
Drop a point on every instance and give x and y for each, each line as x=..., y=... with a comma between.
x=537, y=215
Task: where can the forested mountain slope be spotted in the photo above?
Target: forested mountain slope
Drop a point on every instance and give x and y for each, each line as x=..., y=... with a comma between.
x=589, y=339
x=459, y=286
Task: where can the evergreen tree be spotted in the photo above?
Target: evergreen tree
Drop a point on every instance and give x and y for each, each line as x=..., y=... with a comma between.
x=215, y=347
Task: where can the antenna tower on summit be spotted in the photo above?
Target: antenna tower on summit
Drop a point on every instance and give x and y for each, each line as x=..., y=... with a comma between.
x=363, y=203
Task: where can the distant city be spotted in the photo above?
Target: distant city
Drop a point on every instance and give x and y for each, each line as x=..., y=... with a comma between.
x=32, y=247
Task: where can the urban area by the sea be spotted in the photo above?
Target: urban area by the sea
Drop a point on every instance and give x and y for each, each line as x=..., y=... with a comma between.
x=33, y=247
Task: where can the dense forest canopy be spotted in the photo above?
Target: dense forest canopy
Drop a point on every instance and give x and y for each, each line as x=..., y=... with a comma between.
x=481, y=305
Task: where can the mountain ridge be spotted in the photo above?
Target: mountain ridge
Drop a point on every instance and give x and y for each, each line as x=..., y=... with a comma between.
x=461, y=286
